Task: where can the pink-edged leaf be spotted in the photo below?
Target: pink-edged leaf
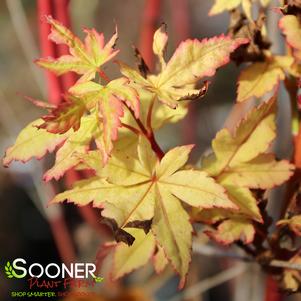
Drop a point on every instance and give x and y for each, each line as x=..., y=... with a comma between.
x=85, y=58
x=123, y=91
x=233, y=230
x=291, y=28
x=77, y=142
x=196, y=59
x=111, y=110
x=65, y=116
x=32, y=142
x=129, y=258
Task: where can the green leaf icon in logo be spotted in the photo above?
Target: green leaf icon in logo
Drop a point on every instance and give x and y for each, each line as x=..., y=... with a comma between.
x=98, y=279
x=9, y=270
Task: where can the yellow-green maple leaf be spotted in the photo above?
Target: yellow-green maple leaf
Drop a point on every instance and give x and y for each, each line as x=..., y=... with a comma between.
x=77, y=142
x=233, y=229
x=139, y=187
x=32, y=142
x=227, y=5
x=66, y=115
x=85, y=58
x=252, y=137
x=223, y=5
x=263, y=172
x=239, y=163
x=109, y=102
x=262, y=77
x=192, y=61
x=291, y=28
x=129, y=258
x=159, y=259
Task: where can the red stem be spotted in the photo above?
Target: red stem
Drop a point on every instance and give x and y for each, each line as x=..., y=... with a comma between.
x=149, y=134
x=61, y=13
x=149, y=22
x=150, y=113
x=181, y=28
x=272, y=290
x=58, y=226
x=131, y=128
x=45, y=7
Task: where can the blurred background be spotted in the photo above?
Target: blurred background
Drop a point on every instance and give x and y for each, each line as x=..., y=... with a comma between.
x=30, y=230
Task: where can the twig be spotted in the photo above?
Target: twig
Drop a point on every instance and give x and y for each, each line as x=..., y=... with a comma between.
x=26, y=39
x=149, y=135
x=208, y=250
x=211, y=251
x=149, y=21
x=131, y=128
x=210, y=282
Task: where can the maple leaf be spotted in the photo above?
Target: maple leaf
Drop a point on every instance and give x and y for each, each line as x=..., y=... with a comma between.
x=211, y=216
x=77, y=142
x=159, y=44
x=252, y=137
x=110, y=101
x=262, y=77
x=290, y=281
x=223, y=5
x=85, y=58
x=128, y=258
x=192, y=61
x=239, y=163
x=65, y=116
x=32, y=142
x=291, y=28
x=159, y=260
x=263, y=172
x=139, y=187
x=233, y=229
x=228, y=5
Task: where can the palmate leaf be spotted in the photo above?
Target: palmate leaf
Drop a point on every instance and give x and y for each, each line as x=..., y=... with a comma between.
x=291, y=28
x=77, y=142
x=192, y=61
x=33, y=142
x=251, y=138
x=128, y=258
x=159, y=260
x=259, y=78
x=110, y=101
x=263, y=172
x=85, y=58
x=223, y=5
x=137, y=186
x=240, y=162
x=232, y=230
x=65, y=116
x=227, y=5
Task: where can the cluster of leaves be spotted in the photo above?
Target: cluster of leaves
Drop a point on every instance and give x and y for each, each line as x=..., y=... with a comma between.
x=152, y=198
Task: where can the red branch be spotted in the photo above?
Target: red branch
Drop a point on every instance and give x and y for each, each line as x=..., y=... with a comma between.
x=45, y=7
x=58, y=226
x=272, y=290
x=149, y=23
x=181, y=28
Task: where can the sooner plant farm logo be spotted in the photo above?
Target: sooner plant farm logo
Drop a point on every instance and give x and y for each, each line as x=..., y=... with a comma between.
x=52, y=276
x=18, y=269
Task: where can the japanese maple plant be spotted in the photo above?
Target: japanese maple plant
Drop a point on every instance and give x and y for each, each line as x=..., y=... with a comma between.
x=151, y=197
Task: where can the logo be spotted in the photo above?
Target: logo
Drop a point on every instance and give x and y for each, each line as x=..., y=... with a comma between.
x=20, y=269
x=52, y=279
